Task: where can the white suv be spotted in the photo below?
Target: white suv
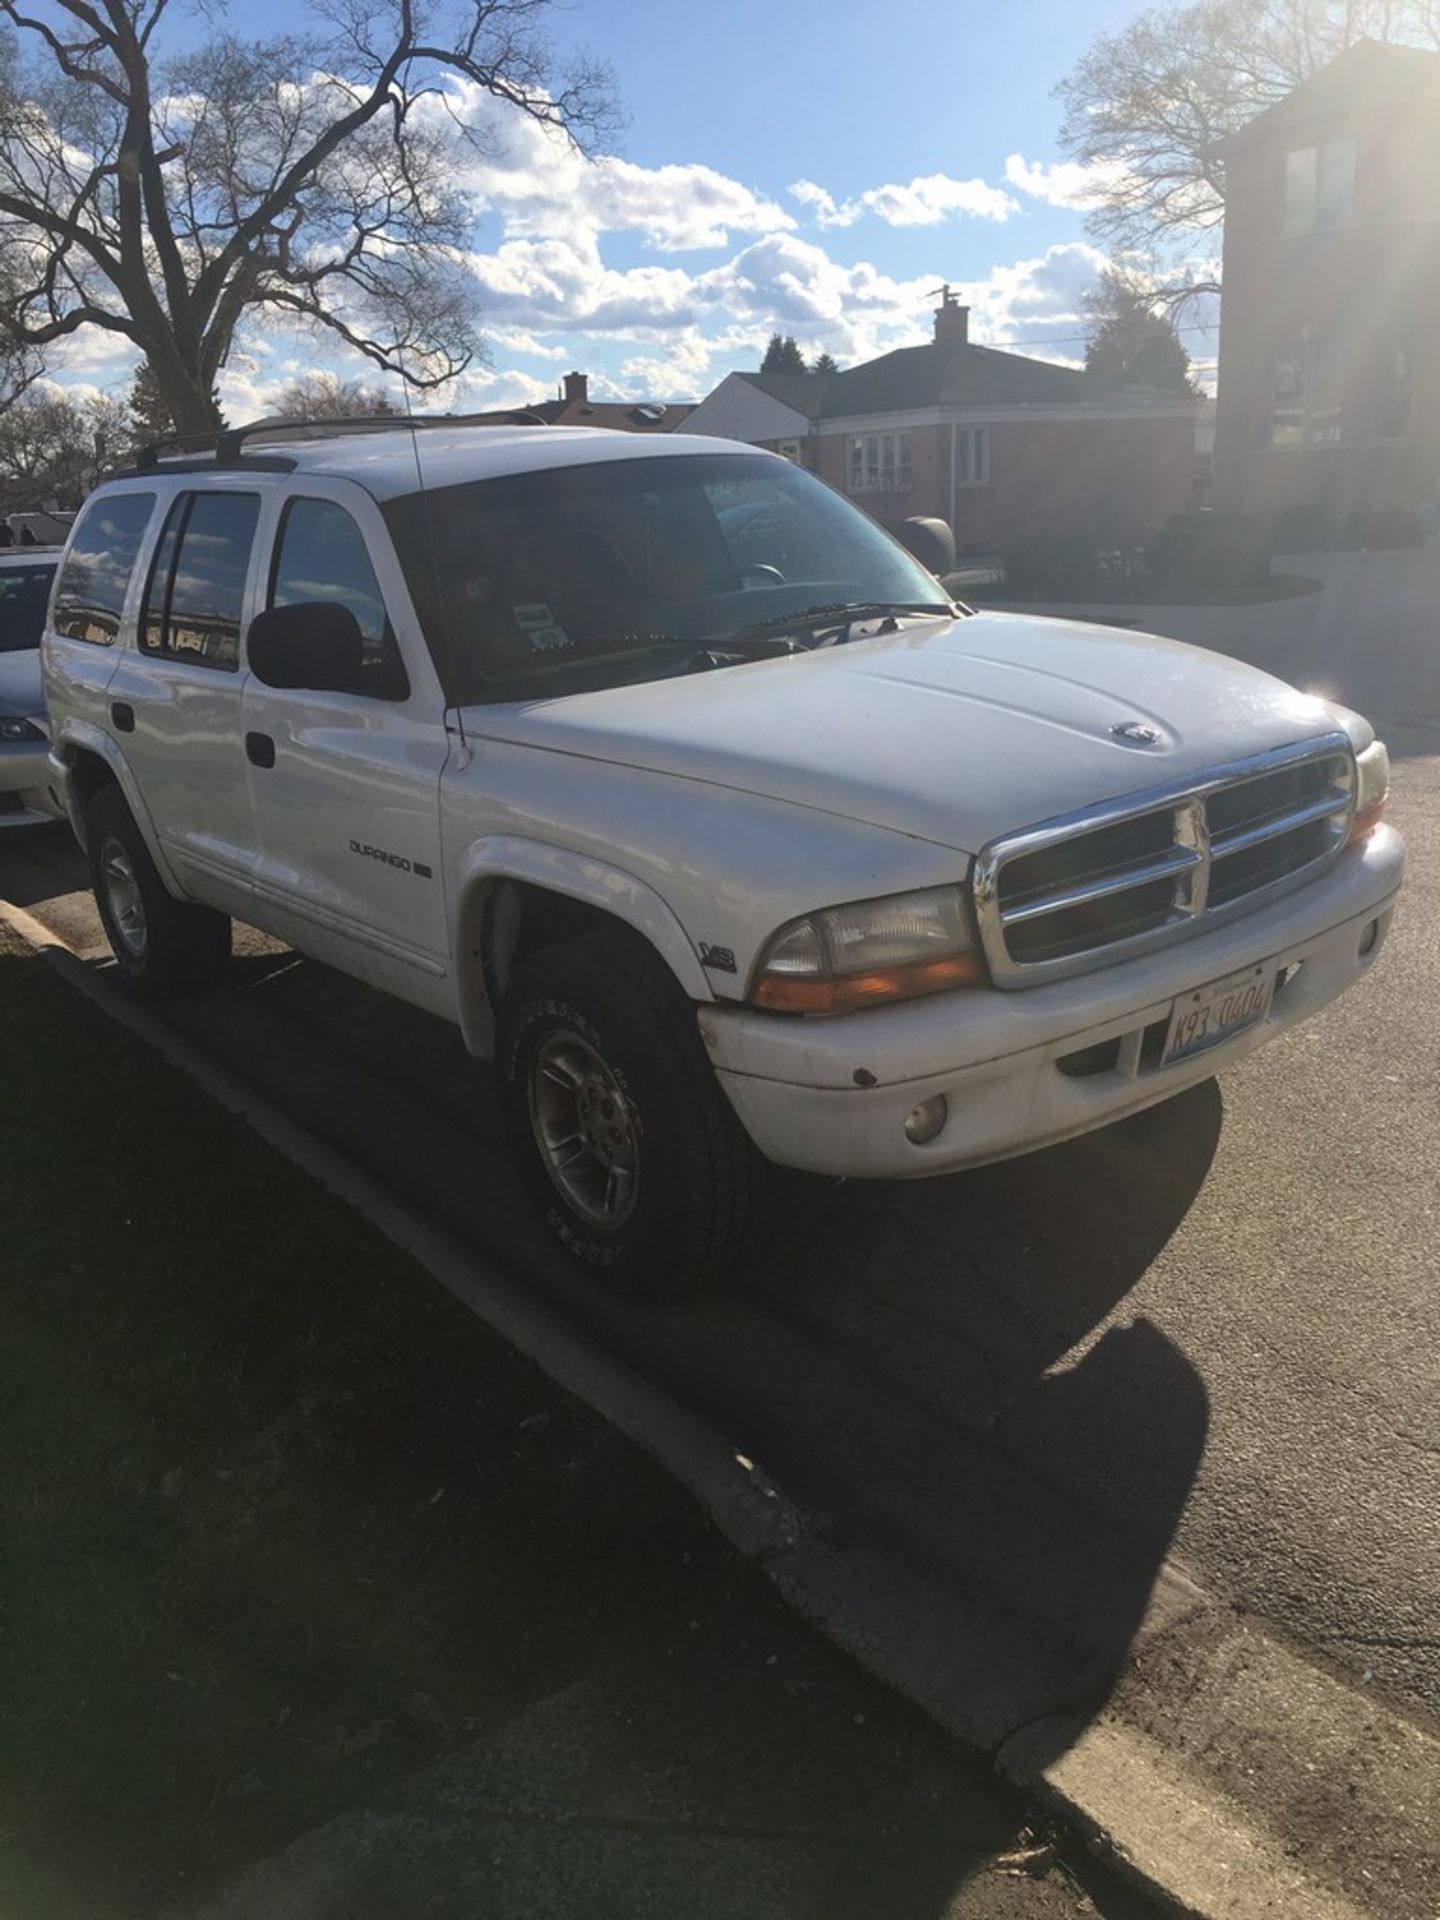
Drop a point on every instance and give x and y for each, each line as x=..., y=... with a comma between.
x=688, y=795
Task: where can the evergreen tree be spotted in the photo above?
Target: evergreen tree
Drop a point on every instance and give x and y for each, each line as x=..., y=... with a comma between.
x=1131, y=341
x=783, y=355
x=149, y=415
x=825, y=363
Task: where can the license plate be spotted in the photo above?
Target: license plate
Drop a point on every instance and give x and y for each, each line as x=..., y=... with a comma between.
x=1203, y=1019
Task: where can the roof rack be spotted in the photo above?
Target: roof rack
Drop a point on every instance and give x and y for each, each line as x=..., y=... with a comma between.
x=226, y=445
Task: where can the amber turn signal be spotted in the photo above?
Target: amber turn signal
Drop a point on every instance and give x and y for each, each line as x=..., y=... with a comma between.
x=784, y=994
x=1368, y=818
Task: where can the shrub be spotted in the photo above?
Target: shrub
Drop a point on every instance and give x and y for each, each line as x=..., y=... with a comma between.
x=1203, y=551
x=1051, y=566
x=1307, y=529
x=1386, y=527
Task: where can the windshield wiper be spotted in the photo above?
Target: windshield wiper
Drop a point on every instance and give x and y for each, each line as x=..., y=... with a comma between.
x=839, y=613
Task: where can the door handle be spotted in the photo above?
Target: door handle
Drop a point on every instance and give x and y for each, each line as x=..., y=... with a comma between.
x=260, y=749
x=123, y=715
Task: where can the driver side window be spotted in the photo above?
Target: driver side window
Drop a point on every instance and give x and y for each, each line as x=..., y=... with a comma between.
x=320, y=554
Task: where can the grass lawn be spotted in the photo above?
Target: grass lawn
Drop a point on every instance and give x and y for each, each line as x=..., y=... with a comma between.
x=282, y=1522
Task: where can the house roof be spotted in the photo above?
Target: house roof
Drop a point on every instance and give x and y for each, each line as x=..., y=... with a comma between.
x=1370, y=76
x=629, y=416
x=952, y=373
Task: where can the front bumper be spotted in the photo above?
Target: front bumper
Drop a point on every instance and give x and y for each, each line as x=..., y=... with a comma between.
x=833, y=1095
x=26, y=783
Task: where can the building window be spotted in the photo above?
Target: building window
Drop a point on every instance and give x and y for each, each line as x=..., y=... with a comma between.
x=1308, y=408
x=1398, y=379
x=972, y=456
x=789, y=450
x=1319, y=186
x=879, y=463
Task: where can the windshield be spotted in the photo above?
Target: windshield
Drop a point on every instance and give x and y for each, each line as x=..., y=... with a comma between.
x=586, y=576
x=24, y=594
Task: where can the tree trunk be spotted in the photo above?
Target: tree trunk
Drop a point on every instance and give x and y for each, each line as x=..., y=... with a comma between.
x=187, y=396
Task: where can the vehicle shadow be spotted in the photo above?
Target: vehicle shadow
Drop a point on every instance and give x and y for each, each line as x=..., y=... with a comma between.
x=1054, y=1434
x=948, y=1372
x=41, y=863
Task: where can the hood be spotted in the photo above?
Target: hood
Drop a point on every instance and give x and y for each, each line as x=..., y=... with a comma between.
x=20, y=688
x=953, y=731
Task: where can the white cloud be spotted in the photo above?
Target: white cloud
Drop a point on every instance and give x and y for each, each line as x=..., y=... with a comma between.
x=1067, y=183
x=927, y=201
x=544, y=187
x=664, y=326
x=809, y=195
x=1047, y=288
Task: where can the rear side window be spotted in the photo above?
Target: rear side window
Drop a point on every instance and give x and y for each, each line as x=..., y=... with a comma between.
x=197, y=583
x=24, y=592
x=321, y=555
x=96, y=576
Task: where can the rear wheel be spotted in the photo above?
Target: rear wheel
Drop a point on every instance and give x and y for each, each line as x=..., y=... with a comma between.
x=630, y=1151
x=161, y=944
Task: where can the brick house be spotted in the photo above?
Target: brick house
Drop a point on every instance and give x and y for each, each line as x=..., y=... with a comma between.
x=574, y=408
x=1329, y=391
x=994, y=443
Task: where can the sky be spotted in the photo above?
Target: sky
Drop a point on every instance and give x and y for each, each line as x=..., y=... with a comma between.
x=813, y=171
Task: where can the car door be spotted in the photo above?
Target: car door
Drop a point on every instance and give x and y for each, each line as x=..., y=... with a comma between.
x=174, y=702
x=345, y=784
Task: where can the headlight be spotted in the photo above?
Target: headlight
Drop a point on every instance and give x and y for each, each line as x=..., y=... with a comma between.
x=1372, y=789
x=859, y=956
x=14, y=728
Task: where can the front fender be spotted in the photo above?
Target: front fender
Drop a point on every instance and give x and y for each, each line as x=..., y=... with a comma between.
x=488, y=862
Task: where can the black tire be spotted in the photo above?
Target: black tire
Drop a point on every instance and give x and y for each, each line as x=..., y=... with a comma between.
x=697, y=1180
x=161, y=945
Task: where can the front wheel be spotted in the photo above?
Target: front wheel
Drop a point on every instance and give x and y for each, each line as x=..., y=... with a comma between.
x=161, y=944
x=630, y=1151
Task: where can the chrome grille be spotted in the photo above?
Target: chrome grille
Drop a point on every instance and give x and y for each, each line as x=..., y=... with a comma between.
x=1077, y=891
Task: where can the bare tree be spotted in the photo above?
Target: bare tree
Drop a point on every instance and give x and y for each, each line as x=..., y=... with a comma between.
x=53, y=448
x=167, y=199
x=325, y=396
x=20, y=365
x=1153, y=106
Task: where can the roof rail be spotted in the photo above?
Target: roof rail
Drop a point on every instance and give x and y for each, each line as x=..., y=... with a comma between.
x=228, y=443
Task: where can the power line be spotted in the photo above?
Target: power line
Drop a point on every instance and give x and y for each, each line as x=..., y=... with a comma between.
x=1049, y=340
x=1069, y=339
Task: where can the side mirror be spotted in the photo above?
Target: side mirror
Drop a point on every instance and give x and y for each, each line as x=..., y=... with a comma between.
x=316, y=645
x=931, y=542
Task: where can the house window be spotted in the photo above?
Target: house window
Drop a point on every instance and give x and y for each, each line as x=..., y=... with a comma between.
x=1398, y=379
x=1319, y=186
x=789, y=450
x=879, y=463
x=972, y=457
x=1308, y=408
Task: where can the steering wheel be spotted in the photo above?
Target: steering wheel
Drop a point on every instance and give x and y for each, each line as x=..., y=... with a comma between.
x=761, y=575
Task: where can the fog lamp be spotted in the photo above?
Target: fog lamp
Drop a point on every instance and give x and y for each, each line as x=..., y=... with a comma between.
x=925, y=1121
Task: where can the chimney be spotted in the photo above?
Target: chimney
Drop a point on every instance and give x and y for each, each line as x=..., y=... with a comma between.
x=577, y=389
x=952, y=321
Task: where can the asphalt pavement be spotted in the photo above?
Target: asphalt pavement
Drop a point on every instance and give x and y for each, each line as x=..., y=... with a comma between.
x=1208, y=1333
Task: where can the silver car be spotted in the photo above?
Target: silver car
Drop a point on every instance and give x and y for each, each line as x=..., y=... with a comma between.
x=26, y=576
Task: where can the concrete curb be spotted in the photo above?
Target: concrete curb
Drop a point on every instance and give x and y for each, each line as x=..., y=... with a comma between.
x=1195, y=1779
